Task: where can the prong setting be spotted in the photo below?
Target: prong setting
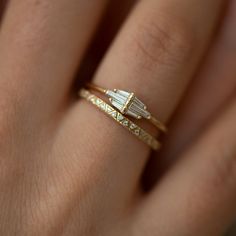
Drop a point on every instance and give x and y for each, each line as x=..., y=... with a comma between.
x=128, y=104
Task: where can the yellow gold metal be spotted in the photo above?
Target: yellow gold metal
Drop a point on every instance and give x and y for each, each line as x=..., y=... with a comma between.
x=129, y=101
x=158, y=124
x=97, y=88
x=121, y=119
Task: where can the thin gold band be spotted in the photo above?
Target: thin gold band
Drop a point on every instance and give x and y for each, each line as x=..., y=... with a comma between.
x=121, y=119
x=151, y=118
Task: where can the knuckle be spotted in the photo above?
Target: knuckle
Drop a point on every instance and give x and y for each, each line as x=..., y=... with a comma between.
x=165, y=41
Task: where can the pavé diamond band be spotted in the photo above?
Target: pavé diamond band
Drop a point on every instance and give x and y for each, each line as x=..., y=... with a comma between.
x=121, y=119
x=128, y=104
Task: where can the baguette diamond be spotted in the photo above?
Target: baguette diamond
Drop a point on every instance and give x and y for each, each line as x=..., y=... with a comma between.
x=128, y=104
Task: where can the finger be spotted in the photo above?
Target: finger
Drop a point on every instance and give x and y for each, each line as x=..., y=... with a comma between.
x=152, y=51
x=208, y=93
x=200, y=190
x=155, y=60
x=41, y=44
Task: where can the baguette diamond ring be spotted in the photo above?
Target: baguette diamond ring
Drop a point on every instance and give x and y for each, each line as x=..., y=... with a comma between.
x=128, y=104
x=133, y=128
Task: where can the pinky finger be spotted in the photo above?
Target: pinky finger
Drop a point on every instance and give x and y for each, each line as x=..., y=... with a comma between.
x=198, y=196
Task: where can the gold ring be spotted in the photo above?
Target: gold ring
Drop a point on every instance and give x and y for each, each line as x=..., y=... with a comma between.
x=128, y=104
x=121, y=119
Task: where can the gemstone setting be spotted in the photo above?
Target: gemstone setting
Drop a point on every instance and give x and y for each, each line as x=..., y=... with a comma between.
x=128, y=104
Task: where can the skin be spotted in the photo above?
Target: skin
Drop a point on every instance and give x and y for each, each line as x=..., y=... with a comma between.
x=67, y=169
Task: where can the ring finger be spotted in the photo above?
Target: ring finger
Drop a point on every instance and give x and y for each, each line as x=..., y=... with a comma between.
x=155, y=56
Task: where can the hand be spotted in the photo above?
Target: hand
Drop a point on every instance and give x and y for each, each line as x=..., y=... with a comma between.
x=67, y=169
